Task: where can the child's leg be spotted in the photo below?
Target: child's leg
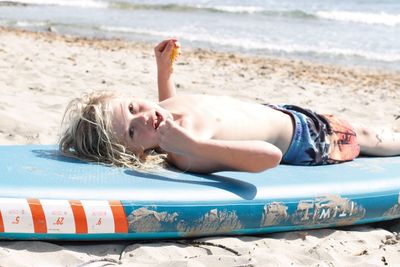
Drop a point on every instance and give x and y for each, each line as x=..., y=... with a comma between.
x=377, y=142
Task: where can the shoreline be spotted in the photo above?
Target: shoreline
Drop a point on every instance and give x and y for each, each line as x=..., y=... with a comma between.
x=116, y=44
x=375, y=76
x=388, y=79
x=41, y=72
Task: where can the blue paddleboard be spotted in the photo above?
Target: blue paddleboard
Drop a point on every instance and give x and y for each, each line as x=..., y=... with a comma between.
x=44, y=195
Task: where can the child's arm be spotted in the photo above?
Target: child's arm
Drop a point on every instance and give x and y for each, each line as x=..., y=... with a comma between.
x=222, y=155
x=164, y=52
x=212, y=155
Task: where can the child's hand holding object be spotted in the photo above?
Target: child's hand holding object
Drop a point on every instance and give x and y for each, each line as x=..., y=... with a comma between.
x=166, y=54
x=176, y=51
x=174, y=138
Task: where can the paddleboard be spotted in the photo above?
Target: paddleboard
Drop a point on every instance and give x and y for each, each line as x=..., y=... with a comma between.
x=46, y=196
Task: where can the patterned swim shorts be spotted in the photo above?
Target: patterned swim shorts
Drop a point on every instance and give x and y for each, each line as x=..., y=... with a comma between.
x=318, y=139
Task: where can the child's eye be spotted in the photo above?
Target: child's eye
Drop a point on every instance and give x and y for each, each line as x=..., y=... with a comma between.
x=131, y=132
x=130, y=107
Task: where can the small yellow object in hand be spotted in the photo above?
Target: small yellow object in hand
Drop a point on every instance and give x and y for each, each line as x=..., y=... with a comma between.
x=176, y=51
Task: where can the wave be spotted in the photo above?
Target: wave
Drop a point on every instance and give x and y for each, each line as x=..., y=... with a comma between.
x=210, y=8
x=346, y=16
x=24, y=24
x=31, y=24
x=187, y=8
x=230, y=43
x=251, y=45
x=380, y=18
x=11, y=3
x=359, y=17
x=67, y=3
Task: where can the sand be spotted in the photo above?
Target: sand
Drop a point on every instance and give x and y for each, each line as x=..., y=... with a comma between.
x=41, y=72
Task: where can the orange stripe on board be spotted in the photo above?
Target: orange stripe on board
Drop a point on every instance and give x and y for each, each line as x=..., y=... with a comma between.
x=38, y=217
x=81, y=226
x=120, y=221
x=1, y=223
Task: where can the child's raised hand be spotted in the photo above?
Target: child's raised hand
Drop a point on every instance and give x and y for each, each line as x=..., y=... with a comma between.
x=174, y=138
x=166, y=53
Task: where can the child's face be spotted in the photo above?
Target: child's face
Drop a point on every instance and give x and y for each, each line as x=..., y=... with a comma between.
x=135, y=123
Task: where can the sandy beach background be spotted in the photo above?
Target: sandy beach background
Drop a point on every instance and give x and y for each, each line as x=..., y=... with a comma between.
x=41, y=72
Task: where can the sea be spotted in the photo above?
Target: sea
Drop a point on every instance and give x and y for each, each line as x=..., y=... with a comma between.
x=346, y=32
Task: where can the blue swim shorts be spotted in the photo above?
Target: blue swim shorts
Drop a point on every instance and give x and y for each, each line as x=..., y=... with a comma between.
x=318, y=139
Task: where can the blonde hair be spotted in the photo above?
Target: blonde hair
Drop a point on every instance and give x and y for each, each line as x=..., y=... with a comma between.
x=87, y=134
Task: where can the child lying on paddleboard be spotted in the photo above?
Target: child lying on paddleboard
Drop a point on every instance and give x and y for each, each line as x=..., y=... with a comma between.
x=206, y=134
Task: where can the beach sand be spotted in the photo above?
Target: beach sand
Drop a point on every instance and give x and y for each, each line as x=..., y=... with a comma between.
x=41, y=72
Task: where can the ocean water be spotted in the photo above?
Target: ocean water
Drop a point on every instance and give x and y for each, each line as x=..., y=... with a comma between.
x=349, y=32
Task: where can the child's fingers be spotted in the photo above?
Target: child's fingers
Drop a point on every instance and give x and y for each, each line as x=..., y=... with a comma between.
x=162, y=128
x=169, y=123
x=165, y=126
x=161, y=46
x=168, y=48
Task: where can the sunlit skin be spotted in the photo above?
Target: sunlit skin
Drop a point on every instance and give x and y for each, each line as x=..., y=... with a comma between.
x=205, y=133
x=178, y=124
